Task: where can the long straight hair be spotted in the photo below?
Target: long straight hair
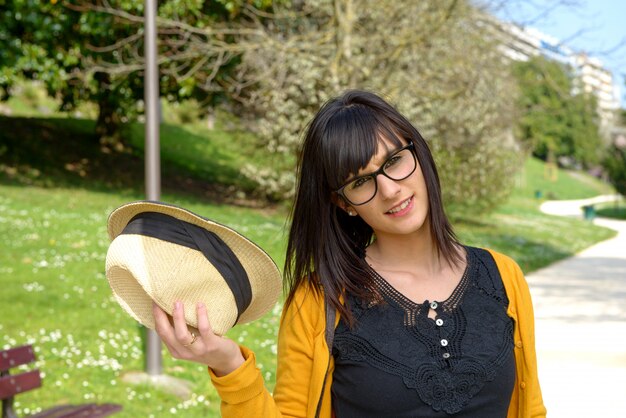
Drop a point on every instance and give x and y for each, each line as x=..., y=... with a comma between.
x=326, y=247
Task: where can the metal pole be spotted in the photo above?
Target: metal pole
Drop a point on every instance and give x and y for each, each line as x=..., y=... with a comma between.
x=153, y=361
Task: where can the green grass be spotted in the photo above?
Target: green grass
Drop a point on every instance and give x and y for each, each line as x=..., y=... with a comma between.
x=615, y=210
x=536, y=176
x=55, y=296
x=519, y=229
x=56, y=194
x=29, y=99
x=55, y=150
x=530, y=237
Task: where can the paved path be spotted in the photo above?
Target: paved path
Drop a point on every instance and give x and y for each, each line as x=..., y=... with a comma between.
x=580, y=310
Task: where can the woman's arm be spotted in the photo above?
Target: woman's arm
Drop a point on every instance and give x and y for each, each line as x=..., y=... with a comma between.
x=527, y=390
x=526, y=318
x=233, y=369
x=221, y=354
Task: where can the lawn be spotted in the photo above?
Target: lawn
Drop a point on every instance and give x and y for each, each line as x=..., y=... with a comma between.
x=616, y=210
x=55, y=295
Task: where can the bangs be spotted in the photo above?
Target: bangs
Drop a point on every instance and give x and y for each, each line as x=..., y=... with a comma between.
x=351, y=140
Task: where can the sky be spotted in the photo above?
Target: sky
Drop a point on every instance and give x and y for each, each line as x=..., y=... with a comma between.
x=596, y=27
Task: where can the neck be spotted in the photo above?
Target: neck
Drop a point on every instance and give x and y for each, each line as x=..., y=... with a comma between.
x=399, y=252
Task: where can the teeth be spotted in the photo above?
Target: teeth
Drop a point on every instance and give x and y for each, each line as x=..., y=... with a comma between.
x=399, y=208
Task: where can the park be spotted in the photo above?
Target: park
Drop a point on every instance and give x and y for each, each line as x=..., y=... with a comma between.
x=64, y=169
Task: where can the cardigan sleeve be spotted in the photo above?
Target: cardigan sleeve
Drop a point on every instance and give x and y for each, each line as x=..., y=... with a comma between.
x=526, y=319
x=301, y=366
x=527, y=401
x=243, y=392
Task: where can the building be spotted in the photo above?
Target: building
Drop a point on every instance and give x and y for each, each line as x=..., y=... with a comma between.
x=592, y=78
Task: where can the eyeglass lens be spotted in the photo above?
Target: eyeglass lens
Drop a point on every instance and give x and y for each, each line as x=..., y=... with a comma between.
x=398, y=167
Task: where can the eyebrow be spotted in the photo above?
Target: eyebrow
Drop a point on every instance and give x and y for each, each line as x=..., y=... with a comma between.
x=369, y=173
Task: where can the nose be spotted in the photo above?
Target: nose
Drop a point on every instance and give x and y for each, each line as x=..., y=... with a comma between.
x=387, y=188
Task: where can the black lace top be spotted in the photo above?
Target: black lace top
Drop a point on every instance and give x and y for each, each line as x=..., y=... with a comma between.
x=398, y=362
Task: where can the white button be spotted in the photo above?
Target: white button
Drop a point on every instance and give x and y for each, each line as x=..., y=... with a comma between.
x=444, y=342
x=446, y=355
x=433, y=305
x=439, y=322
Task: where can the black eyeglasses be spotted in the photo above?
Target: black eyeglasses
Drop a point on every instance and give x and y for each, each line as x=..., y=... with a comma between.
x=360, y=190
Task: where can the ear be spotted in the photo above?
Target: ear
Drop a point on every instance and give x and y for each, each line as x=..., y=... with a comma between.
x=342, y=204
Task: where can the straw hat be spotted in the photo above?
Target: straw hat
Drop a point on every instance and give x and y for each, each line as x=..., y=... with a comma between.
x=164, y=253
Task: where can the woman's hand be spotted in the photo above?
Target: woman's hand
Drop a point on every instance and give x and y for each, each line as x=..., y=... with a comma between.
x=220, y=354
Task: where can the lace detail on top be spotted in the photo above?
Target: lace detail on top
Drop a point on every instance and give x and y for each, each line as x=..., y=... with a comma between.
x=414, y=310
x=446, y=360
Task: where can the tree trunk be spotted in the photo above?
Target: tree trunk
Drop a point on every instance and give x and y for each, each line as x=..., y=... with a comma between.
x=109, y=123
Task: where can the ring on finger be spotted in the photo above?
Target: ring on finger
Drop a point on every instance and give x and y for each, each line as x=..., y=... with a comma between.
x=194, y=337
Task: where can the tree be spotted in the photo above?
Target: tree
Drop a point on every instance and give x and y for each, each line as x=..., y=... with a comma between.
x=614, y=161
x=554, y=121
x=615, y=165
x=584, y=142
x=281, y=61
x=47, y=42
x=93, y=51
x=432, y=58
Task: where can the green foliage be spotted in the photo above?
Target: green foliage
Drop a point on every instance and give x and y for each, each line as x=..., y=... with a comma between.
x=92, y=51
x=615, y=165
x=554, y=121
x=444, y=74
x=58, y=45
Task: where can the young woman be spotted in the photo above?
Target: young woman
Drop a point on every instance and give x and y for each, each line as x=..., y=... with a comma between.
x=424, y=326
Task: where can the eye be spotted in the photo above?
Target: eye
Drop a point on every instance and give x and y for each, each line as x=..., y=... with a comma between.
x=393, y=160
x=360, y=182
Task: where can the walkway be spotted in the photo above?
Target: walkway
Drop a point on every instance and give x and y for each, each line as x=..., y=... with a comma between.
x=580, y=310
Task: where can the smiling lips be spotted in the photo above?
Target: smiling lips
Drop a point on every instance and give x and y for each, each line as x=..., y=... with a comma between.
x=402, y=208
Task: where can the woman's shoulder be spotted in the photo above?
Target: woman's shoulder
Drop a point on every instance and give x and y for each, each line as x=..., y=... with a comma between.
x=507, y=268
x=309, y=293
x=512, y=276
x=504, y=262
x=305, y=304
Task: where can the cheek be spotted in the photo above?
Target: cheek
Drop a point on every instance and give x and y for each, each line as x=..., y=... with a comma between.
x=371, y=215
x=420, y=181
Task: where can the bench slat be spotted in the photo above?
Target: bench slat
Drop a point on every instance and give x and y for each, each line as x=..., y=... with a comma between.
x=17, y=356
x=60, y=411
x=79, y=411
x=13, y=384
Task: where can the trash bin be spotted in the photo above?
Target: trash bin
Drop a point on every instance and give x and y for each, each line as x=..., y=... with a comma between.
x=589, y=212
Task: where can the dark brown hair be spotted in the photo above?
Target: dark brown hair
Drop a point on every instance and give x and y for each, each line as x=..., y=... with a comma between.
x=326, y=247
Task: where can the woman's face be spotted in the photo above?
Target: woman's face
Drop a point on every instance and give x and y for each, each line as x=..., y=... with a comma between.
x=399, y=206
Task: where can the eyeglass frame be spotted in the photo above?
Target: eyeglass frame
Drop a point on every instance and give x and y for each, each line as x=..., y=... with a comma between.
x=381, y=170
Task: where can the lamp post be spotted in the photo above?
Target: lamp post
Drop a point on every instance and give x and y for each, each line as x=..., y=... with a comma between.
x=153, y=362
x=153, y=373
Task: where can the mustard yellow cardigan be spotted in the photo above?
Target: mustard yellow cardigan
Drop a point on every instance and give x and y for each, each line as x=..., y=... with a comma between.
x=305, y=367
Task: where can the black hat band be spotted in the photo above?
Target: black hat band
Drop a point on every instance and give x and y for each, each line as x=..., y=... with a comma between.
x=170, y=229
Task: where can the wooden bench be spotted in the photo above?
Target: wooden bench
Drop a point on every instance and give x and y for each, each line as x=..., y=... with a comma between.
x=13, y=384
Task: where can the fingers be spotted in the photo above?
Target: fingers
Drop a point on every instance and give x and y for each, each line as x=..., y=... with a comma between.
x=221, y=354
x=164, y=329
x=204, y=326
x=162, y=323
x=183, y=335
